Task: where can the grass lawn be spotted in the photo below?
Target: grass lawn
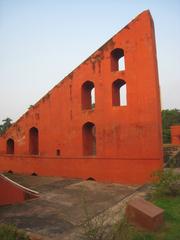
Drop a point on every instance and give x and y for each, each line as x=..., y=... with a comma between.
x=171, y=228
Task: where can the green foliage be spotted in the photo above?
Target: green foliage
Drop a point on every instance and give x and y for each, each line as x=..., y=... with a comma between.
x=166, y=182
x=169, y=118
x=166, y=135
x=10, y=232
x=170, y=230
x=98, y=230
x=123, y=230
x=6, y=124
x=171, y=206
x=166, y=197
x=94, y=230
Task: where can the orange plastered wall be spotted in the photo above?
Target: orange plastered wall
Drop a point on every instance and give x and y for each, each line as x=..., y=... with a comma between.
x=122, y=132
x=175, y=134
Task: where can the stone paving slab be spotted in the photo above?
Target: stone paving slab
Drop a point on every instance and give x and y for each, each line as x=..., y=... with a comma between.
x=62, y=204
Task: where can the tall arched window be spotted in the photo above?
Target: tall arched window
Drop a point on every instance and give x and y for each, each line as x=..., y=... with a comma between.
x=10, y=146
x=88, y=95
x=119, y=93
x=33, y=141
x=117, y=60
x=89, y=139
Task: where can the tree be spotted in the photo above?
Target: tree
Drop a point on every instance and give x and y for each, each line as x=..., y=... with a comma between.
x=169, y=118
x=6, y=124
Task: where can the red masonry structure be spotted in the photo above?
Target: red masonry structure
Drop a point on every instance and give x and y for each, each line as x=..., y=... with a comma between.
x=175, y=134
x=11, y=192
x=101, y=121
x=144, y=214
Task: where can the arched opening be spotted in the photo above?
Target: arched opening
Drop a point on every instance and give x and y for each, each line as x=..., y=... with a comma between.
x=58, y=152
x=33, y=141
x=10, y=146
x=119, y=93
x=117, y=60
x=34, y=174
x=93, y=98
x=90, y=179
x=89, y=139
x=88, y=95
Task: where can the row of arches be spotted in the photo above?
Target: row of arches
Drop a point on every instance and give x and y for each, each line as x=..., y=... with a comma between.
x=88, y=137
x=119, y=94
x=119, y=89
x=119, y=98
x=33, y=143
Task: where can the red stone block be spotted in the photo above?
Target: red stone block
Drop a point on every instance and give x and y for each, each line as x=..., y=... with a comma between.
x=144, y=214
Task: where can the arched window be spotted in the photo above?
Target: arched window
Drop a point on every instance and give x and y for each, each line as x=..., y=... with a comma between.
x=58, y=152
x=88, y=95
x=119, y=93
x=117, y=60
x=89, y=139
x=10, y=146
x=33, y=141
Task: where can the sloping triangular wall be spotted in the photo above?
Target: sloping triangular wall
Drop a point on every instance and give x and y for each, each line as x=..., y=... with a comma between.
x=66, y=134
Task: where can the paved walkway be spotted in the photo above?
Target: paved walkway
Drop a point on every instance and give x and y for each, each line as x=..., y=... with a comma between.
x=60, y=210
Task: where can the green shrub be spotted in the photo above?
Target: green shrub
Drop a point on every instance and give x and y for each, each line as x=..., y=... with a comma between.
x=10, y=232
x=98, y=230
x=94, y=230
x=122, y=230
x=166, y=182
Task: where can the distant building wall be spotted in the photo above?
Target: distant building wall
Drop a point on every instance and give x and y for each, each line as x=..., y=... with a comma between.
x=175, y=134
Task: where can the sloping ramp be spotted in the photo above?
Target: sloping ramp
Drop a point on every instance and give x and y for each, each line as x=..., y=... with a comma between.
x=12, y=192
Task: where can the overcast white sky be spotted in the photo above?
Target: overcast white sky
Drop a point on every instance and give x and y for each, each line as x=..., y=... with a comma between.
x=41, y=41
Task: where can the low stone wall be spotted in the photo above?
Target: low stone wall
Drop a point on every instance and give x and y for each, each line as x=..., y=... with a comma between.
x=11, y=192
x=127, y=171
